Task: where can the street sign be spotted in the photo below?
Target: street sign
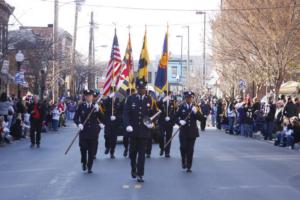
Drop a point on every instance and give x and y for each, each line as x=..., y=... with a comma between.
x=19, y=78
x=242, y=84
x=5, y=67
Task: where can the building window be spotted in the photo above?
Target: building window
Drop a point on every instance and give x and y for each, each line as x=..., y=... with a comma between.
x=174, y=71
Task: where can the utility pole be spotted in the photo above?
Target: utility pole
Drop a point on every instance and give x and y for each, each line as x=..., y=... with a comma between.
x=91, y=76
x=72, y=75
x=55, y=40
x=204, y=49
x=188, y=50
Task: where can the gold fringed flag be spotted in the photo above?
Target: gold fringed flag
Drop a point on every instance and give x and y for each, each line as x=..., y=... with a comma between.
x=125, y=80
x=161, y=81
x=144, y=61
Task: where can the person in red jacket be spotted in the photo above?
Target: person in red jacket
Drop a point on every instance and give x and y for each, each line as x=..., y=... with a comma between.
x=37, y=114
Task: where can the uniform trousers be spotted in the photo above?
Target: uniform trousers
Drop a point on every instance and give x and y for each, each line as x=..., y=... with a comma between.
x=187, y=150
x=137, y=152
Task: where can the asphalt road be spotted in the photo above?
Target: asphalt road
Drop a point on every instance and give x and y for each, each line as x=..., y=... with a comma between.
x=225, y=167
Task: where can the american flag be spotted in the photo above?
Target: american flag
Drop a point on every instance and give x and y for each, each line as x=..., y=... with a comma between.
x=114, y=66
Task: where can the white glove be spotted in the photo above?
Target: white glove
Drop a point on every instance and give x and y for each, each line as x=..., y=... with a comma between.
x=129, y=129
x=112, y=118
x=194, y=109
x=182, y=122
x=80, y=126
x=101, y=125
x=167, y=118
x=96, y=107
x=6, y=130
x=150, y=125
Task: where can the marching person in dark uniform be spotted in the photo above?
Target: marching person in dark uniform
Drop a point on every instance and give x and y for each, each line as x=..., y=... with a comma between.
x=187, y=116
x=37, y=115
x=138, y=106
x=113, y=111
x=96, y=96
x=166, y=122
x=125, y=133
x=89, y=132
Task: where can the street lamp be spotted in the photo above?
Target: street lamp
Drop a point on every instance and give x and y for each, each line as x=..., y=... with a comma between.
x=180, y=36
x=204, y=42
x=19, y=59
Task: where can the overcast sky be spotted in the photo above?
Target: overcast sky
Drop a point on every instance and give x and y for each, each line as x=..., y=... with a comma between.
x=40, y=13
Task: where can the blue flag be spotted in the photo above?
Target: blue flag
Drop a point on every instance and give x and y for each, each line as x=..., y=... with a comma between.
x=161, y=81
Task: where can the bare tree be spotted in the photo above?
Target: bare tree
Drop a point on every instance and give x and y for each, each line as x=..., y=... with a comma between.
x=257, y=40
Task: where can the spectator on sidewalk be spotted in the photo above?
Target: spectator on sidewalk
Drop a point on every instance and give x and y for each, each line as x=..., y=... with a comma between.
x=71, y=110
x=285, y=137
x=248, y=129
x=5, y=106
x=55, y=117
x=205, y=108
x=290, y=109
x=231, y=116
x=279, y=116
x=16, y=128
x=26, y=123
x=213, y=113
x=36, y=110
x=269, y=110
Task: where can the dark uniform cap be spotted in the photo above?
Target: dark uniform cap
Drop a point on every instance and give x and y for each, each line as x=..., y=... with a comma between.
x=95, y=94
x=140, y=84
x=188, y=94
x=88, y=92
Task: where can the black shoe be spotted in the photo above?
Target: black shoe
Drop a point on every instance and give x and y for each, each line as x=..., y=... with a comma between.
x=32, y=145
x=189, y=171
x=112, y=156
x=90, y=171
x=83, y=167
x=148, y=156
x=133, y=174
x=161, y=152
x=37, y=146
x=167, y=156
x=94, y=157
x=106, y=151
x=183, y=166
x=125, y=153
x=140, y=179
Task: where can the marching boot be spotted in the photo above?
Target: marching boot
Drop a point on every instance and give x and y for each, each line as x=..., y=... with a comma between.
x=133, y=174
x=106, y=151
x=83, y=167
x=161, y=152
x=140, y=179
x=125, y=153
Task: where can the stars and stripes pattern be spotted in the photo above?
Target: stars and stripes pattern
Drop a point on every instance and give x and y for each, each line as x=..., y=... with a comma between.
x=114, y=66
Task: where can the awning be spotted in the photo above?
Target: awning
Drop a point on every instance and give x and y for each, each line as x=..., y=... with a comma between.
x=290, y=87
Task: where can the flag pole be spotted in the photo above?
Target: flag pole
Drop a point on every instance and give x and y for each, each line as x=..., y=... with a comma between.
x=167, y=69
x=113, y=84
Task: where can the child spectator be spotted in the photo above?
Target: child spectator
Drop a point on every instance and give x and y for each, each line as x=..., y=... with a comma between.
x=55, y=117
x=26, y=123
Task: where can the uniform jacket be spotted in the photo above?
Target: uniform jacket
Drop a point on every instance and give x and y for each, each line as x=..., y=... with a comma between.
x=135, y=109
x=172, y=107
x=116, y=126
x=91, y=129
x=190, y=129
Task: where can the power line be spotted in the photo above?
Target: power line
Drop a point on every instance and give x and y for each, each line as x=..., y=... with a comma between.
x=185, y=10
x=17, y=20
